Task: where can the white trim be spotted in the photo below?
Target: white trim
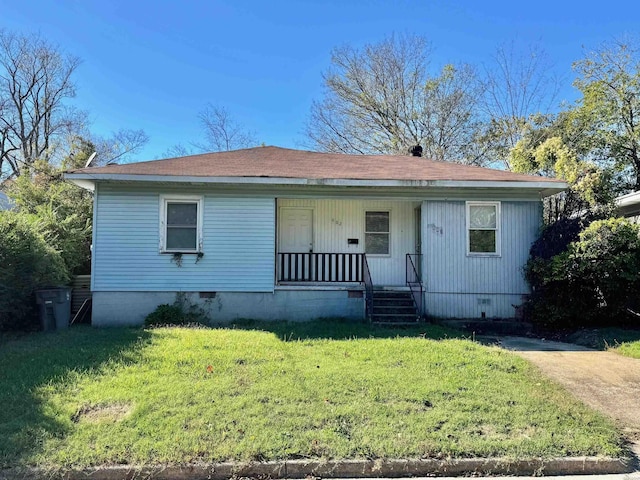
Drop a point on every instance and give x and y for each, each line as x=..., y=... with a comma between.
x=498, y=229
x=628, y=200
x=87, y=184
x=364, y=239
x=346, y=182
x=94, y=231
x=174, y=198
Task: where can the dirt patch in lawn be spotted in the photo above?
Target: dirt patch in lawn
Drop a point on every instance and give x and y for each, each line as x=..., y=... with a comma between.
x=102, y=413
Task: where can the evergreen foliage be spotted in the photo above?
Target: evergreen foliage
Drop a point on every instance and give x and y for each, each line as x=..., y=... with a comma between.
x=27, y=262
x=582, y=279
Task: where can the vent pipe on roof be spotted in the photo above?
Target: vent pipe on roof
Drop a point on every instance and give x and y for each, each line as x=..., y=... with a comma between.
x=416, y=151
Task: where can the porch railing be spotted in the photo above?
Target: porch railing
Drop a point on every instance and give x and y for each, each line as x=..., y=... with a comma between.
x=320, y=267
x=368, y=287
x=414, y=280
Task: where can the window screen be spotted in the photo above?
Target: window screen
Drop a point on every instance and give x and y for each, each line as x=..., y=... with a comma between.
x=182, y=226
x=483, y=228
x=376, y=237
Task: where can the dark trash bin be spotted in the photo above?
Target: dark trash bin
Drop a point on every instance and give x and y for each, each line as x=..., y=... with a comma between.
x=55, y=308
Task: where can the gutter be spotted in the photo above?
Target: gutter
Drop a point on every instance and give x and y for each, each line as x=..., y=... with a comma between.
x=628, y=200
x=87, y=180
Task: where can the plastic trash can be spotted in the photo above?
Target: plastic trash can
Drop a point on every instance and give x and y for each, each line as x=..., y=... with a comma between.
x=55, y=308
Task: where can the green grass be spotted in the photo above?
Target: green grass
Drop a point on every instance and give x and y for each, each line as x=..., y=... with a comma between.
x=619, y=340
x=264, y=391
x=630, y=349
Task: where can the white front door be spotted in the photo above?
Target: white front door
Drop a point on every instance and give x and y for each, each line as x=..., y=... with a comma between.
x=296, y=230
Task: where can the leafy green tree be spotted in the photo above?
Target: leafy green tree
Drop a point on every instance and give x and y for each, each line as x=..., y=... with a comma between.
x=64, y=211
x=592, y=188
x=609, y=110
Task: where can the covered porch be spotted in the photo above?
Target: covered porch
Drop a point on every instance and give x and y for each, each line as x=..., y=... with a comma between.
x=372, y=246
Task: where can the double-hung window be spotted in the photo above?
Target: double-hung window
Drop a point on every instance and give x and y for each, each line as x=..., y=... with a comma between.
x=180, y=224
x=483, y=228
x=376, y=233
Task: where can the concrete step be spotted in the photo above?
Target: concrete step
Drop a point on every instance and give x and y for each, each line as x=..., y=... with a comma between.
x=391, y=294
x=393, y=302
x=397, y=309
x=393, y=307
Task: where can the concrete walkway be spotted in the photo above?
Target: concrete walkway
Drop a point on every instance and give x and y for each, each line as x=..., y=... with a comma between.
x=606, y=381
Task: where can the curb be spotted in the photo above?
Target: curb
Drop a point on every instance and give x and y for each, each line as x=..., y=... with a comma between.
x=339, y=469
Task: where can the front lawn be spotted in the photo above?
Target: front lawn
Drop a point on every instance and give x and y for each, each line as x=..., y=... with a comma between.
x=273, y=391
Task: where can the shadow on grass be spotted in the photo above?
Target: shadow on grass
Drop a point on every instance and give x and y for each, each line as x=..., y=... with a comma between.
x=51, y=360
x=342, y=329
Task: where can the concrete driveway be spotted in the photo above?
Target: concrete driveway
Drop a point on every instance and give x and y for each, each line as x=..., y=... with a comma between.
x=608, y=382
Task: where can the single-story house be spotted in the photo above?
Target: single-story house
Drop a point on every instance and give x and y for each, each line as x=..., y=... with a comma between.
x=274, y=233
x=629, y=206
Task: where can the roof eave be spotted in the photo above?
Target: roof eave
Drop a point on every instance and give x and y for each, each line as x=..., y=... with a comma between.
x=628, y=200
x=87, y=180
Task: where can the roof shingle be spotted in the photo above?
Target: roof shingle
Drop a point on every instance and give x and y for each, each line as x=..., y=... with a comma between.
x=276, y=162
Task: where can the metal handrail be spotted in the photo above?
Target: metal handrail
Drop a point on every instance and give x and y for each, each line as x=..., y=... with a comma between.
x=414, y=281
x=368, y=287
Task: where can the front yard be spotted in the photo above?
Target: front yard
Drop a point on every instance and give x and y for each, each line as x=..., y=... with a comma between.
x=273, y=391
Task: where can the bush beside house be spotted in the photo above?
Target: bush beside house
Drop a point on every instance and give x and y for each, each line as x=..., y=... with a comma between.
x=585, y=279
x=27, y=262
x=44, y=239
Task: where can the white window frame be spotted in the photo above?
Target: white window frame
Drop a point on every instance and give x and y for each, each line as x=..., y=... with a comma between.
x=164, y=200
x=364, y=246
x=498, y=251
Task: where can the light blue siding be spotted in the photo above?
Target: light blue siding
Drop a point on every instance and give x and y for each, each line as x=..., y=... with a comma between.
x=238, y=244
x=458, y=285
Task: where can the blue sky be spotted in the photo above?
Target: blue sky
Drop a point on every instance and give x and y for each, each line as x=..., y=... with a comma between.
x=155, y=64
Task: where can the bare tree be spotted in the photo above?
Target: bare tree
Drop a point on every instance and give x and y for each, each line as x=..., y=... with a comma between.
x=178, y=150
x=382, y=100
x=35, y=79
x=119, y=147
x=518, y=85
x=222, y=132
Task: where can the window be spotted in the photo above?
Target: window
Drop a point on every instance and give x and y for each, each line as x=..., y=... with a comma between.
x=483, y=226
x=180, y=224
x=376, y=233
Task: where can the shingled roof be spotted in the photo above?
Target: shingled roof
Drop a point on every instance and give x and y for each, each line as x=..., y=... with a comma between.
x=276, y=162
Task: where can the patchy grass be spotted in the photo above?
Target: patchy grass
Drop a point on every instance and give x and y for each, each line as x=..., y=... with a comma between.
x=619, y=340
x=263, y=391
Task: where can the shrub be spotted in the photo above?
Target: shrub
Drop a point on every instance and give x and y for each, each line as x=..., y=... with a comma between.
x=592, y=282
x=165, y=314
x=607, y=258
x=64, y=211
x=26, y=263
x=181, y=312
x=555, y=238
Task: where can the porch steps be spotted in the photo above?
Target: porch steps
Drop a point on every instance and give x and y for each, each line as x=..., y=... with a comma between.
x=393, y=307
